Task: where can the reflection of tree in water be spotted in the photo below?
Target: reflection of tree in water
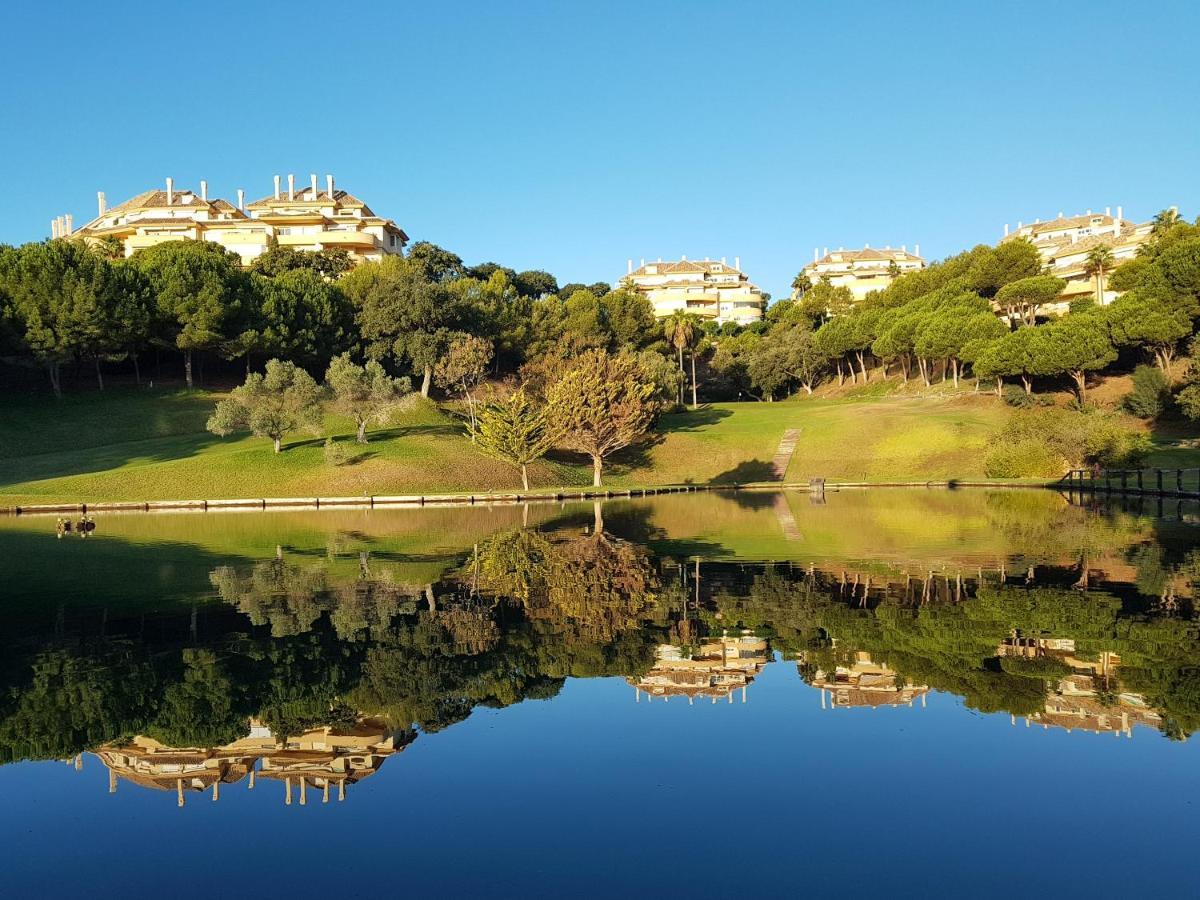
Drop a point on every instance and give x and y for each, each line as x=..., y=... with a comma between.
x=594, y=584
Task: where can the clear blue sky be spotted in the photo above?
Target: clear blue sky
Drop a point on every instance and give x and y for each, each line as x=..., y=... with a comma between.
x=571, y=136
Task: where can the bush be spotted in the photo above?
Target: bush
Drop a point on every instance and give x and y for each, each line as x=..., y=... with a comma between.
x=1014, y=395
x=335, y=453
x=1044, y=442
x=1150, y=393
x=1023, y=459
x=1042, y=667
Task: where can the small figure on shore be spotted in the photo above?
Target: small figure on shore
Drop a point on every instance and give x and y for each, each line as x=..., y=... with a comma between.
x=62, y=526
x=86, y=526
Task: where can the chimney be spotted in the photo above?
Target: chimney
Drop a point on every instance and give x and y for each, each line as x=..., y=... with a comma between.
x=1060, y=215
x=643, y=261
x=866, y=246
x=1018, y=225
x=276, y=187
x=241, y=199
x=824, y=251
x=816, y=254
x=904, y=247
x=53, y=228
x=170, y=190
x=684, y=258
x=1108, y=210
x=291, y=187
x=723, y=262
x=916, y=249
x=329, y=186
x=1120, y=213
x=629, y=267
x=69, y=223
x=204, y=190
x=313, y=181
x=1089, y=212
x=101, y=204
x=737, y=263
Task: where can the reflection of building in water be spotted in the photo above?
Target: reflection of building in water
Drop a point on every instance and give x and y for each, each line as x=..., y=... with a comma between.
x=1086, y=696
x=323, y=758
x=865, y=683
x=716, y=668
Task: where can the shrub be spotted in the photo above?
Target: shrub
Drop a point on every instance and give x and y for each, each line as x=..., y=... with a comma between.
x=1150, y=393
x=1042, y=667
x=1014, y=395
x=1023, y=459
x=335, y=453
x=1032, y=439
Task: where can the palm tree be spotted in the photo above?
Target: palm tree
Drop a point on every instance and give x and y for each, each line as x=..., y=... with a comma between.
x=681, y=330
x=1099, y=260
x=1164, y=220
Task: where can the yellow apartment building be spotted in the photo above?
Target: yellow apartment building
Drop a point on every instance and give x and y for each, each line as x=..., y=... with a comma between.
x=715, y=669
x=304, y=218
x=863, y=271
x=712, y=289
x=865, y=683
x=1064, y=242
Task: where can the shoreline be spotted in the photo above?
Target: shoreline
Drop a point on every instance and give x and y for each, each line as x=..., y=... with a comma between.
x=554, y=495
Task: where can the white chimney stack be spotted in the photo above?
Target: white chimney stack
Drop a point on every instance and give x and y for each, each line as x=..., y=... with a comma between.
x=1089, y=212
x=816, y=254
x=1120, y=213
x=276, y=187
x=313, y=182
x=1108, y=210
x=867, y=246
x=170, y=190
x=329, y=186
x=1018, y=225
x=643, y=261
x=101, y=203
x=684, y=258
x=69, y=223
x=241, y=199
x=53, y=228
x=204, y=190
x=629, y=267
x=824, y=251
x=737, y=263
x=291, y=187
x=916, y=249
x=904, y=248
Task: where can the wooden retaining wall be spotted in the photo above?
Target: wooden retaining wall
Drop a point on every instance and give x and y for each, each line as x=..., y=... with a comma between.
x=817, y=486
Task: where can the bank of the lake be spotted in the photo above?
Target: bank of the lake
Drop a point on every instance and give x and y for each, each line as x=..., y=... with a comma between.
x=131, y=445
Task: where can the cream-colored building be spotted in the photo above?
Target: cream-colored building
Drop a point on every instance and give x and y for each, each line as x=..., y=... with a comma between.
x=304, y=218
x=863, y=271
x=1064, y=243
x=865, y=683
x=710, y=288
x=714, y=669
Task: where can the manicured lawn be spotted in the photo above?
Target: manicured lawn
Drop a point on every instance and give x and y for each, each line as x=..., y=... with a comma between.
x=129, y=444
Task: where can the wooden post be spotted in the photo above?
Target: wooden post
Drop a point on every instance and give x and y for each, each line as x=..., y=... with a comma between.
x=1179, y=481
x=1139, y=478
x=1124, y=480
x=1159, y=475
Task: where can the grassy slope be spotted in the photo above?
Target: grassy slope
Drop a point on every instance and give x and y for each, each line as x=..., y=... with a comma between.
x=144, y=445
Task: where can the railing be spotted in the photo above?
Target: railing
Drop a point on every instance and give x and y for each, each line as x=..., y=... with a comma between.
x=1155, y=482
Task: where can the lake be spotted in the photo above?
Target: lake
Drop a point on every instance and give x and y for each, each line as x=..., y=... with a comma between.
x=907, y=692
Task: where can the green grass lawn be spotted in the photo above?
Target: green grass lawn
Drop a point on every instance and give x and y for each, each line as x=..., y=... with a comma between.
x=130, y=444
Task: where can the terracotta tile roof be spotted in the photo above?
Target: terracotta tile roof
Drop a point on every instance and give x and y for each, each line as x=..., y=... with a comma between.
x=869, y=254
x=340, y=198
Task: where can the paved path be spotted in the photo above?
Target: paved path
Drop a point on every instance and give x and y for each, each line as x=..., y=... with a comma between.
x=783, y=456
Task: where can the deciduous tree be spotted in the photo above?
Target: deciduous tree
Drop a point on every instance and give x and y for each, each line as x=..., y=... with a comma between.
x=364, y=393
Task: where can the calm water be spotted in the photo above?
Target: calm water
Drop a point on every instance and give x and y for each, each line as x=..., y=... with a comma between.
x=963, y=692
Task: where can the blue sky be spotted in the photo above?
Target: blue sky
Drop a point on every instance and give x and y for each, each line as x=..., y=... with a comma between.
x=571, y=136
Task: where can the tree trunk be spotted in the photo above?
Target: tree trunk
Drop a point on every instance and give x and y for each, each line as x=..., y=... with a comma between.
x=954, y=369
x=598, y=517
x=524, y=476
x=361, y=434
x=682, y=373
x=187, y=368
x=695, y=402
x=1028, y=382
x=904, y=368
x=425, y=382
x=99, y=375
x=597, y=464
x=278, y=443
x=52, y=368
x=137, y=370
x=1080, y=377
x=841, y=376
x=999, y=386
x=808, y=387
x=862, y=366
x=471, y=413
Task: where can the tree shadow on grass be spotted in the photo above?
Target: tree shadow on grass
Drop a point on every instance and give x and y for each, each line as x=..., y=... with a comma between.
x=691, y=420
x=747, y=472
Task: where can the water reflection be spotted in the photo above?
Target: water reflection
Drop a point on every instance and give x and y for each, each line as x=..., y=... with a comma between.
x=309, y=650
